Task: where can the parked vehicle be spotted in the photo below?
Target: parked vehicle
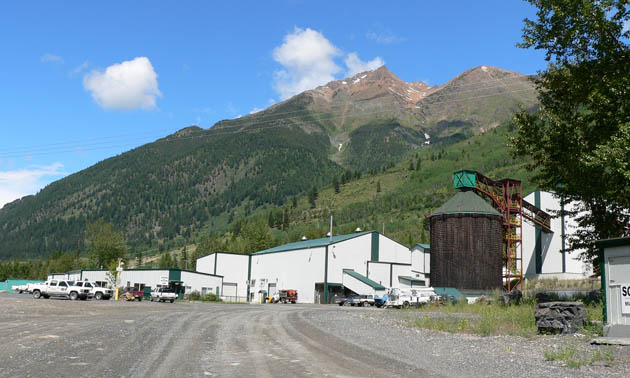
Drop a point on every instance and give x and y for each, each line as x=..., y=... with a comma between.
x=96, y=291
x=358, y=300
x=404, y=298
x=380, y=301
x=19, y=288
x=60, y=288
x=163, y=294
x=287, y=296
x=135, y=292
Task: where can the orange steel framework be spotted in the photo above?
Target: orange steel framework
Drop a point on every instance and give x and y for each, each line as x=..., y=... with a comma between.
x=507, y=197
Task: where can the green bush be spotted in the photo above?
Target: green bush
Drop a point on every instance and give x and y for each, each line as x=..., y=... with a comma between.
x=211, y=297
x=194, y=296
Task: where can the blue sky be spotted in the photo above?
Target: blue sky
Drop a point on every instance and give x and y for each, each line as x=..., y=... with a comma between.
x=81, y=82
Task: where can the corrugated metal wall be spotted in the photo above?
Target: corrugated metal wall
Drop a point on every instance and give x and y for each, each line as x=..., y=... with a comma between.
x=466, y=251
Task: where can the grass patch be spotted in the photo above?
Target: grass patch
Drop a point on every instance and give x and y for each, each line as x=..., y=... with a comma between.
x=493, y=319
x=482, y=319
x=573, y=358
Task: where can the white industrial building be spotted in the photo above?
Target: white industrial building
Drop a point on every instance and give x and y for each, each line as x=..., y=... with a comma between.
x=545, y=254
x=319, y=269
x=183, y=281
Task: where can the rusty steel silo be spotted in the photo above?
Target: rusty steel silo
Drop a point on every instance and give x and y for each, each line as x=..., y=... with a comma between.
x=466, y=244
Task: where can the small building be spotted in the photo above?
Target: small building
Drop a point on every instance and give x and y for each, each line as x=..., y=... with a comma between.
x=615, y=275
x=319, y=269
x=183, y=281
x=545, y=254
x=421, y=262
x=227, y=264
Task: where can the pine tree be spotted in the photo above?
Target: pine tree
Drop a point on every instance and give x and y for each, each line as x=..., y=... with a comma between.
x=335, y=184
x=418, y=164
x=270, y=221
x=285, y=219
x=411, y=168
x=184, y=258
x=294, y=202
x=312, y=197
x=378, y=186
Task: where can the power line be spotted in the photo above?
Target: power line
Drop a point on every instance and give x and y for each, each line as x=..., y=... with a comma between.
x=243, y=121
x=63, y=146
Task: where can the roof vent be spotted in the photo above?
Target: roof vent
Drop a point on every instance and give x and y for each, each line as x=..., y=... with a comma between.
x=358, y=229
x=304, y=237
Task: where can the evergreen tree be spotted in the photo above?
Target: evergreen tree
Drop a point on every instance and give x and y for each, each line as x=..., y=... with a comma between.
x=419, y=164
x=184, y=258
x=312, y=197
x=411, y=167
x=335, y=184
x=270, y=220
x=294, y=202
x=139, y=259
x=378, y=186
x=285, y=219
x=165, y=261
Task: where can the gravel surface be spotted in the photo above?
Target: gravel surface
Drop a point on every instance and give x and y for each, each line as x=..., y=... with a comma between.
x=46, y=337
x=462, y=355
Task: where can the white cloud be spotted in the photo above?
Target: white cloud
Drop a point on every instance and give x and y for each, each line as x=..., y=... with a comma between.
x=308, y=59
x=80, y=68
x=356, y=65
x=124, y=86
x=51, y=58
x=255, y=109
x=18, y=183
x=383, y=37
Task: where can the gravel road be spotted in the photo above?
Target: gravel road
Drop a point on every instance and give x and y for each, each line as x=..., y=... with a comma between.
x=48, y=337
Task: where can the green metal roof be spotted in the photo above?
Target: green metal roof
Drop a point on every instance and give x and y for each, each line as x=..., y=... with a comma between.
x=364, y=279
x=412, y=279
x=610, y=243
x=313, y=243
x=449, y=291
x=423, y=246
x=466, y=203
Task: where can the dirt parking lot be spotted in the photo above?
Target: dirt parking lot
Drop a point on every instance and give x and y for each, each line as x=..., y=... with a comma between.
x=56, y=337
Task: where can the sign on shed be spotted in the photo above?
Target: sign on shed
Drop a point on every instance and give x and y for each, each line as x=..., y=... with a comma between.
x=625, y=298
x=163, y=280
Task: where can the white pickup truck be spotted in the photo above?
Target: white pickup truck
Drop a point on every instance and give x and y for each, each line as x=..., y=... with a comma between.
x=96, y=291
x=28, y=288
x=60, y=288
x=163, y=294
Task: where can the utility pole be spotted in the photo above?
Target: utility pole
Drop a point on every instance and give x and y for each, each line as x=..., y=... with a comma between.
x=331, y=222
x=118, y=271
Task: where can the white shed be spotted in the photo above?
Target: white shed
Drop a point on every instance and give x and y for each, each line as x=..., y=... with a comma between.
x=234, y=268
x=615, y=273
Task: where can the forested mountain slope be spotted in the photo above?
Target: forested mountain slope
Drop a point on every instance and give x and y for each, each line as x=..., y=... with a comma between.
x=197, y=181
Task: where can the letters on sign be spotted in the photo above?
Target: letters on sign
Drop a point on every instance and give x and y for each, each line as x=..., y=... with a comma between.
x=625, y=299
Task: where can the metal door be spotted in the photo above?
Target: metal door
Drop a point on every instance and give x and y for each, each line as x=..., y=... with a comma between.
x=619, y=280
x=272, y=290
